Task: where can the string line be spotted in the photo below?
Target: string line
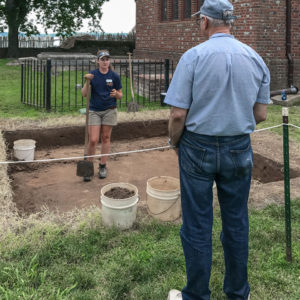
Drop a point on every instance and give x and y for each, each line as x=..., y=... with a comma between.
x=118, y=153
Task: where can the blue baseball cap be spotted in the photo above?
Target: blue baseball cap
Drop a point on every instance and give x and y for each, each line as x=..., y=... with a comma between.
x=217, y=9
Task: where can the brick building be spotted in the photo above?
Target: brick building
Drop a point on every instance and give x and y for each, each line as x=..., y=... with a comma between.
x=165, y=29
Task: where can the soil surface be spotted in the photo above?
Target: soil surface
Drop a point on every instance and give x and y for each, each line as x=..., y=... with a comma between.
x=119, y=193
x=56, y=186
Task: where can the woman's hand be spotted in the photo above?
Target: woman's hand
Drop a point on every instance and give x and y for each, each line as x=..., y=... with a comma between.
x=88, y=76
x=116, y=94
x=113, y=93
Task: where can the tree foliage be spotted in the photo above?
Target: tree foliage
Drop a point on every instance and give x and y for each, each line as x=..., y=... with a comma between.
x=62, y=16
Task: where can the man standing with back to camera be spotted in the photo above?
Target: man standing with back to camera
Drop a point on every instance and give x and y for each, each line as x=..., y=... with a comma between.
x=219, y=92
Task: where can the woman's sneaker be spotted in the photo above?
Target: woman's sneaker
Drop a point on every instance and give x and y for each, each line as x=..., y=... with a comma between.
x=102, y=171
x=87, y=178
x=174, y=295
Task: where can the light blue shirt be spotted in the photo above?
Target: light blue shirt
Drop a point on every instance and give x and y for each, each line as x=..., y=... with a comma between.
x=219, y=81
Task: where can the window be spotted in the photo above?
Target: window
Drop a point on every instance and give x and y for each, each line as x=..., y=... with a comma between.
x=175, y=10
x=164, y=14
x=187, y=8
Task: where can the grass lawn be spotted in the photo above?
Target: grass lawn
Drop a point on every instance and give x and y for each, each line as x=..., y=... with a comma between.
x=11, y=106
x=10, y=94
x=275, y=118
x=93, y=262
x=53, y=262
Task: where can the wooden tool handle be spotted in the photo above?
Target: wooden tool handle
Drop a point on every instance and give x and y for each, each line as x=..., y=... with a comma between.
x=130, y=77
x=86, y=134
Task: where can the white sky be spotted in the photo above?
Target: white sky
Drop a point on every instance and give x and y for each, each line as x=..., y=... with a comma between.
x=118, y=16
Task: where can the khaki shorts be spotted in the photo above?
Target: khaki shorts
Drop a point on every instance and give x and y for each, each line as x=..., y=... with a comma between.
x=106, y=117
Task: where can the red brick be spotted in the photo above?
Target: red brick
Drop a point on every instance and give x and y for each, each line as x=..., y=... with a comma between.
x=261, y=25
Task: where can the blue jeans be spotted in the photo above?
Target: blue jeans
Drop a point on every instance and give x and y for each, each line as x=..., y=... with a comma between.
x=227, y=160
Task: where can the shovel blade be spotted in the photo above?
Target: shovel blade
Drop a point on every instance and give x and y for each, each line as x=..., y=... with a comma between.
x=85, y=168
x=132, y=107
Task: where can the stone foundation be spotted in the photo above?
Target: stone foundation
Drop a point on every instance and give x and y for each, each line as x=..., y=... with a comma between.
x=150, y=86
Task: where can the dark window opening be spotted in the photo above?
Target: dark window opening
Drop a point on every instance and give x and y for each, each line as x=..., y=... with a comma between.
x=164, y=14
x=187, y=8
x=175, y=10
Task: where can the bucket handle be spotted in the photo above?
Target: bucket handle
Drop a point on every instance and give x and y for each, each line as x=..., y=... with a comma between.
x=156, y=214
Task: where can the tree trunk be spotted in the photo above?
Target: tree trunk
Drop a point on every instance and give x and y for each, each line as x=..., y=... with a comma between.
x=13, y=28
x=13, y=41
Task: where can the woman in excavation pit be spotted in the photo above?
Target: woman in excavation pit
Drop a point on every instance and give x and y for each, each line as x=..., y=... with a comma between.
x=106, y=88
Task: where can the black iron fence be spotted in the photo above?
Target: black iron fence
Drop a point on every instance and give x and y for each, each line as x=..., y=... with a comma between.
x=55, y=85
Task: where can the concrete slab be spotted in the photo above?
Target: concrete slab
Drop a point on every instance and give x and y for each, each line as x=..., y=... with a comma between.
x=65, y=55
x=291, y=100
x=66, y=59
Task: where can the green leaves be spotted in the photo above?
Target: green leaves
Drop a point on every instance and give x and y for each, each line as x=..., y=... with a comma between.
x=69, y=15
x=64, y=17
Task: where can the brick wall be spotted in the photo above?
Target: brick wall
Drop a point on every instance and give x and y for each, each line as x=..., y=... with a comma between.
x=296, y=40
x=261, y=25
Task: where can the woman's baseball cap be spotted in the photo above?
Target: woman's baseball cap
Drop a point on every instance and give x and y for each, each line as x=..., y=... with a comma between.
x=103, y=54
x=217, y=9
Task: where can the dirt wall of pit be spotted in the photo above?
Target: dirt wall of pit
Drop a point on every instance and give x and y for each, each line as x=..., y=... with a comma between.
x=74, y=135
x=34, y=183
x=266, y=170
x=8, y=210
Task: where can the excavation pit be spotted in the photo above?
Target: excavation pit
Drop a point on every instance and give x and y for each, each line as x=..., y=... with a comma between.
x=55, y=185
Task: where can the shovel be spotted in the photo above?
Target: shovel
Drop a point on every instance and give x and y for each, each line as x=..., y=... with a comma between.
x=85, y=168
x=132, y=106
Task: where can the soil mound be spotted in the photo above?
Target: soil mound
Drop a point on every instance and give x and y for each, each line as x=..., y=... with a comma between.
x=70, y=42
x=119, y=193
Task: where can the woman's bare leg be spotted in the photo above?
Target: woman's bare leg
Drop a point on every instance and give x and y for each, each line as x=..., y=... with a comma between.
x=94, y=131
x=105, y=142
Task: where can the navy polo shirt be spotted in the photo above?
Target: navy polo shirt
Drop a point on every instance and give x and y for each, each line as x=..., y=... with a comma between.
x=102, y=84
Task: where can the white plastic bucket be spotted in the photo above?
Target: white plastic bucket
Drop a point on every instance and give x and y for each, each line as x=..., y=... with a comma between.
x=24, y=149
x=119, y=212
x=163, y=198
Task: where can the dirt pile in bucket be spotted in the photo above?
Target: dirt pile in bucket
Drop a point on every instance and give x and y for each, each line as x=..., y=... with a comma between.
x=119, y=193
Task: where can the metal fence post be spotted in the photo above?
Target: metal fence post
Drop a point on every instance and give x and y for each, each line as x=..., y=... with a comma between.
x=167, y=82
x=167, y=74
x=48, y=84
x=285, y=120
x=22, y=70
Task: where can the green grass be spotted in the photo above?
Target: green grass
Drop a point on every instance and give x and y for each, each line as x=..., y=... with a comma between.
x=10, y=86
x=11, y=106
x=10, y=94
x=274, y=117
x=54, y=262
x=143, y=263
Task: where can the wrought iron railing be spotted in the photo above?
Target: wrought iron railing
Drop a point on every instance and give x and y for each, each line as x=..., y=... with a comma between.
x=55, y=85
